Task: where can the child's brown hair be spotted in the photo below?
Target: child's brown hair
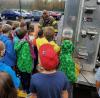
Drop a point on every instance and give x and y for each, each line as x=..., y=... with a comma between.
x=0, y=27
x=31, y=27
x=49, y=33
x=7, y=89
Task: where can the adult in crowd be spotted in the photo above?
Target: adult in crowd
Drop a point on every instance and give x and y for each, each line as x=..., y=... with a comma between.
x=47, y=20
x=46, y=84
x=24, y=58
x=49, y=35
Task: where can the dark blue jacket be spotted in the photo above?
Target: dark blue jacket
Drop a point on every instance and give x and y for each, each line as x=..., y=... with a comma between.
x=10, y=55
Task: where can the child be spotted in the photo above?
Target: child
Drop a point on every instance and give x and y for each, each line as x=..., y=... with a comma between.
x=31, y=33
x=49, y=83
x=23, y=25
x=24, y=59
x=41, y=39
x=0, y=28
x=9, y=22
x=7, y=89
x=5, y=68
x=67, y=64
x=10, y=56
x=37, y=28
x=32, y=37
x=15, y=25
x=49, y=34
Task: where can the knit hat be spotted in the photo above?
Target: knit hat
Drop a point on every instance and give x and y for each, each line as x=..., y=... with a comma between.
x=48, y=57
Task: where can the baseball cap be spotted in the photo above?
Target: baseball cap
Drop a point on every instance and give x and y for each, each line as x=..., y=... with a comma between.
x=48, y=57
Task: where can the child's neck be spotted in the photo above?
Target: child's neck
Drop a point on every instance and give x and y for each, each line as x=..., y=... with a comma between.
x=48, y=72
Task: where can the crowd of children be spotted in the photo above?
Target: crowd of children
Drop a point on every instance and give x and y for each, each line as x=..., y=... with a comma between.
x=33, y=62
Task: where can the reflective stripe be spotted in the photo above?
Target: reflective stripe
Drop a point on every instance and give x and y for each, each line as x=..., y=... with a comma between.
x=41, y=25
x=56, y=30
x=55, y=22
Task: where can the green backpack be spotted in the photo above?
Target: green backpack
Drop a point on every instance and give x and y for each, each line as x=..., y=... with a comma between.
x=67, y=64
x=24, y=57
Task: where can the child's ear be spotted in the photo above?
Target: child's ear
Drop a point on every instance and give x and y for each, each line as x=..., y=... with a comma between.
x=0, y=53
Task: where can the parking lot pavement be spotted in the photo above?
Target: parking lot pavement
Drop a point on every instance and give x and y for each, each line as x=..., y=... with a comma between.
x=36, y=24
x=26, y=20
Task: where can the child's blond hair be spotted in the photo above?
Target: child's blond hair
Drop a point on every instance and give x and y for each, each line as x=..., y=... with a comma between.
x=6, y=28
x=16, y=24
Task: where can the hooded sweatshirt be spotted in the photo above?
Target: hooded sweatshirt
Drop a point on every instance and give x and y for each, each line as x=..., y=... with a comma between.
x=24, y=57
x=10, y=55
x=7, y=69
x=67, y=64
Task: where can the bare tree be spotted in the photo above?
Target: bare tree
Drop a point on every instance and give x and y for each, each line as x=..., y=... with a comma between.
x=32, y=4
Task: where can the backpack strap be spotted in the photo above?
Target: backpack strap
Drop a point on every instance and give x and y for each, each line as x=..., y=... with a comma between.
x=31, y=48
x=32, y=51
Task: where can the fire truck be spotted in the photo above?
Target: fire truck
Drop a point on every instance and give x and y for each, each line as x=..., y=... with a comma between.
x=81, y=23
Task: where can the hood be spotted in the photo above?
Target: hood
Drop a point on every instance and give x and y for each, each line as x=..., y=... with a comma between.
x=18, y=45
x=4, y=38
x=67, y=46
